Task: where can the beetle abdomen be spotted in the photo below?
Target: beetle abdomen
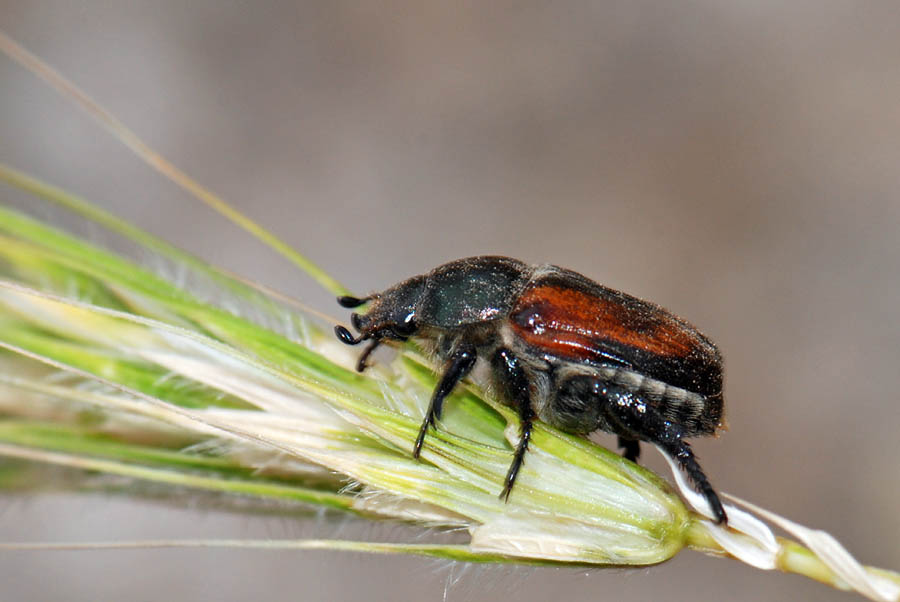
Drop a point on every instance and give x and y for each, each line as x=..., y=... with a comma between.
x=565, y=315
x=696, y=413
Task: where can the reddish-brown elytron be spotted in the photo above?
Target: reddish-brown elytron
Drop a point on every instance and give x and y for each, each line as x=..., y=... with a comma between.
x=572, y=322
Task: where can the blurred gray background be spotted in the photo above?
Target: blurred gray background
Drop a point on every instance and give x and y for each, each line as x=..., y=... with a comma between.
x=736, y=162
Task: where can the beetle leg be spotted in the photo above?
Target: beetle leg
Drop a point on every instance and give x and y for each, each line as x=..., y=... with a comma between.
x=364, y=356
x=631, y=448
x=517, y=389
x=461, y=362
x=682, y=452
x=640, y=420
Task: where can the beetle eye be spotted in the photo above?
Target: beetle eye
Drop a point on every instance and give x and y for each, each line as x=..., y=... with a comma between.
x=354, y=320
x=407, y=327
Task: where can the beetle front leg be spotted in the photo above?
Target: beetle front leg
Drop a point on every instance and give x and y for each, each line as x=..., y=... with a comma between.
x=459, y=365
x=513, y=379
x=637, y=419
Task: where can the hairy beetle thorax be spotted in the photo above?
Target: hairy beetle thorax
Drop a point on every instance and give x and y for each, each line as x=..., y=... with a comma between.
x=471, y=291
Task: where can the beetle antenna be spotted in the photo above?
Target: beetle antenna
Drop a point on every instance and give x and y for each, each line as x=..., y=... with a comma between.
x=351, y=302
x=361, y=364
x=345, y=337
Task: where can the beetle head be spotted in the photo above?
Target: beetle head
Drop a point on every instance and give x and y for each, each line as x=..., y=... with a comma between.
x=391, y=316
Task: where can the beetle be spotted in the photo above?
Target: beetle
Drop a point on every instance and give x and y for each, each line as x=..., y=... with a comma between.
x=557, y=347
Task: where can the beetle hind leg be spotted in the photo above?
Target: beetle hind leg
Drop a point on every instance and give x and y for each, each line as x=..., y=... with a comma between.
x=631, y=448
x=631, y=415
x=683, y=454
